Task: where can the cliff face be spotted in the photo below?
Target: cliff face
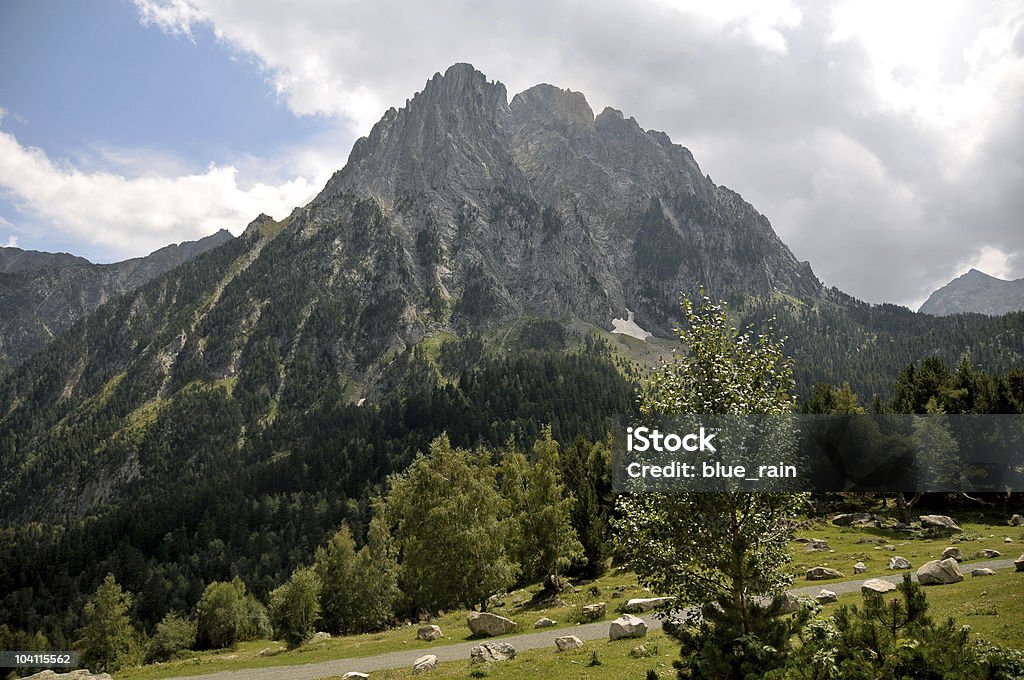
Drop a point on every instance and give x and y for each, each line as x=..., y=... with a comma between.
x=976, y=292
x=43, y=294
x=459, y=213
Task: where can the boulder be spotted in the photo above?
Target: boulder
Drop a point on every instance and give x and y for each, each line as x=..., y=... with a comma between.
x=627, y=626
x=354, y=675
x=982, y=571
x=429, y=633
x=939, y=522
x=568, y=642
x=638, y=605
x=849, y=518
x=877, y=585
x=899, y=563
x=616, y=595
x=952, y=552
x=1018, y=563
x=989, y=553
x=939, y=572
x=889, y=546
x=1007, y=540
x=870, y=539
x=545, y=622
x=1016, y=521
x=594, y=612
x=823, y=574
x=790, y=603
x=816, y=545
x=485, y=624
x=427, y=662
x=826, y=597
x=860, y=568
x=492, y=651
x=319, y=637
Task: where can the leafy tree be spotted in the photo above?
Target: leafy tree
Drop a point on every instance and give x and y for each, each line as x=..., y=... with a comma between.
x=377, y=565
x=340, y=593
x=295, y=606
x=174, y=634
x=109, y=641
x=715, y=549
x=451, y=529
x=586, y=469
x=222, y=614
x=544, y=541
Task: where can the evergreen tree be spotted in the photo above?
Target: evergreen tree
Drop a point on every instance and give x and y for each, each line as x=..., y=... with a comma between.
x=377, y=568
x=340, y=593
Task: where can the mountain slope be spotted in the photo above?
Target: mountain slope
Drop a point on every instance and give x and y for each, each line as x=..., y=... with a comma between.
x=462, y=226
x=42, y=294
x=976, y=292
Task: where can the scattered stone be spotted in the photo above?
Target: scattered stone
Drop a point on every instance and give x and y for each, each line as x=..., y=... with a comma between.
x=889, y=546
x=849, y=518
x=826, y=597
x=427, y=662
x=429, y=633
x=1007, y=540
x=544, y=622
x=355, y=675
x=953, y=552
x=939, y=522
x=319, y=637
x=982, y=571
x=492, y=651
x=1016, y=521
x=877, y=585
x=568, y=642
x=939, y=572
x=73, y=675
x=595, y=612
x=627, y=626
x=899, y=563
x=989, y=553
x=816, y=545
x=617, y=595
x=638, y=605
x=860, y=568
x=1018, y=563
x=485, y=624
x=270, y=651
x=870, y=539
x=823, y=574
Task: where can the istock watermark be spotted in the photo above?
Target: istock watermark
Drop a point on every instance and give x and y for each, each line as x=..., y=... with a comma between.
x=788, y=453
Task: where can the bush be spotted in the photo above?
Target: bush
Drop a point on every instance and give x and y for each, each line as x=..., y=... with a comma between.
x=173, y=636
x=222, y=614
x=295, y=606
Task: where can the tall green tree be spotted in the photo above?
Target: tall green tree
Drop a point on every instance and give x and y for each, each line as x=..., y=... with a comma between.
x=340, y=594
x=451, y=529
x=108, y=640
x=544, y=541
x=721, y=551
x=377, y=568
x=295, y=606
x=222, y=614
x=586, y=469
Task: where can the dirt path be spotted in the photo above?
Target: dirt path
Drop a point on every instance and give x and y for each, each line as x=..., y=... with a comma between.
x=460, y=651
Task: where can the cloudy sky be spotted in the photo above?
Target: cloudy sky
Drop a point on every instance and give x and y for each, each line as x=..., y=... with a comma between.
x=884, y=140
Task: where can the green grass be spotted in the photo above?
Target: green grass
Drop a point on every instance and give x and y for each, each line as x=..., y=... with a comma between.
x=992, y=606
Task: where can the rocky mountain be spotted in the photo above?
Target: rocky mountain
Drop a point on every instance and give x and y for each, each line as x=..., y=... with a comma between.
x=43, y=294
x=463, y=224
x=976, y=292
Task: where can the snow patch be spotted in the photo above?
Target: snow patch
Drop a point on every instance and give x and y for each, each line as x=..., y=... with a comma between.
x=629, y=327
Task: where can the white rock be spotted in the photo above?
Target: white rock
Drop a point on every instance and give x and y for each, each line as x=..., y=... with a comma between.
x=826, y=597
x=877, y=585
x=568, y=642
x=627, y=626
x=939, y=572
x=427, y=662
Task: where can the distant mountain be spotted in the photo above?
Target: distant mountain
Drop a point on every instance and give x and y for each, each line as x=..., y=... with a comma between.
x=976, y=292
x=43, y=294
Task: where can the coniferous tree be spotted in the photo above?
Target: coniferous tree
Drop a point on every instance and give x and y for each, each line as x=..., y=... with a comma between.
x=109, y=641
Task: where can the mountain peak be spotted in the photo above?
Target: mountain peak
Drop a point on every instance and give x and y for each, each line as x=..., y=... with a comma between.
x=555, y=103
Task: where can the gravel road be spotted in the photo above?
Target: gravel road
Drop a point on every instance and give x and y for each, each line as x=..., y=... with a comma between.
x=460, y=651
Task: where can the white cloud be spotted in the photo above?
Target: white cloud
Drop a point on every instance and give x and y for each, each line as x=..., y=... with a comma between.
x=873, y=134
x=12, y=242
x=133, y=215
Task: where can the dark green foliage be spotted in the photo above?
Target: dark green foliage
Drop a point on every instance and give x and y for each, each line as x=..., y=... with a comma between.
x=223, y=615
x=893, y=638
x=657, y=249
x=541, y=334
x=586, y=471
